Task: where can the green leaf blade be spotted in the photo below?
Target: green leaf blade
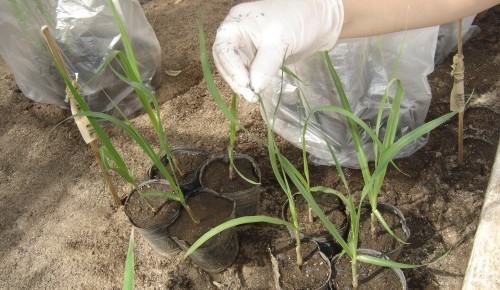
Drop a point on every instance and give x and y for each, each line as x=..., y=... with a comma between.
x=128, y=275
x=233, y=223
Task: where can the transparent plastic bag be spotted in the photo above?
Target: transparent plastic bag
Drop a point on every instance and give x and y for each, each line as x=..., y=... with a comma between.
x=86, y=34
x=448, y=37
x=364, y=66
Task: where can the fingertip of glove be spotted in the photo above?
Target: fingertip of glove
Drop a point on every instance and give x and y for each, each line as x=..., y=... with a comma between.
x=259, y=81
x=249, y=95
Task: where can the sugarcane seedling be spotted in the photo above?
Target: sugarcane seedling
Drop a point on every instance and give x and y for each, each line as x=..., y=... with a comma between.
x=82, y=122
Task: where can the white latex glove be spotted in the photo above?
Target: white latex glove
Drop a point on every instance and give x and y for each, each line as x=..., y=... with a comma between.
x=256, y=37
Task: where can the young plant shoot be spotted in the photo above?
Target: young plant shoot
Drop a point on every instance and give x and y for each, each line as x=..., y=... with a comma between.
x=384, y=152
x=207, y=73
x=146, y=97
x=285, y=171
x=232, y=136
x=373, y=181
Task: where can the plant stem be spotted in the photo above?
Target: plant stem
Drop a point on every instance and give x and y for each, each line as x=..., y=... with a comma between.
x=195, y=219
x=231, y=172
x=145, y=199
x=297, y=249
x=232, y=135
x=293, y=212
x=354, y=272
x=177, y=165
x=373, y=225
x=105, y=173
x=311, y=215
x=230, y=155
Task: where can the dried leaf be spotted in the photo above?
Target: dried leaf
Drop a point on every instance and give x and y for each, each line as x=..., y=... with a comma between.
x=276, y=271
x=173, y=73
x=177, y=2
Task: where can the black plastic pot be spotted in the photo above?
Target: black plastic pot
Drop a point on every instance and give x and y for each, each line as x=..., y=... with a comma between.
x=191, y=160
x=215, y=175
x=365, y=278
x=283, y=256
x=383, y=207
x=153, y=226
x=325, y=240
x=219, y=252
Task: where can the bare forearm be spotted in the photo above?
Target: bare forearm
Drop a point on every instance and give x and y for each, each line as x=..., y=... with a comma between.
x=375, y=17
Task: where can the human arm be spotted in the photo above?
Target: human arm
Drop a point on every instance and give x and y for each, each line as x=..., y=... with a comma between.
x=368, y=18
x=256, y=37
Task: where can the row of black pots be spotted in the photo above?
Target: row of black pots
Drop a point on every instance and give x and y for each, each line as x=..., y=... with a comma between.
x=168, y=236
x=167, y=226
x=203, y=171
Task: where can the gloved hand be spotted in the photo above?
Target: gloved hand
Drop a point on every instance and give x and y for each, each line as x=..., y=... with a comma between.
x=256, y=37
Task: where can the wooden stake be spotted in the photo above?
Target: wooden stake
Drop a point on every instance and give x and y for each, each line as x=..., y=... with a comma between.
x=56, y=53
x=107, y=178
x=461, y=137
x=457, y=96
x=459, y=43
x=461, y=112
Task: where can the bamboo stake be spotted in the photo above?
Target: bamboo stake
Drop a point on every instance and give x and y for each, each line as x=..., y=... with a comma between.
x=461, y=112
x=82, y=125
x=457, y=99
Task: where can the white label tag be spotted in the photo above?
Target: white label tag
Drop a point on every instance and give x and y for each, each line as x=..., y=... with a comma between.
x=82, y=122
x=457, y=98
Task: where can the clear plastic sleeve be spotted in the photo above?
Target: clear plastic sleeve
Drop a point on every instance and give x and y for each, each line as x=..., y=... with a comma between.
x=448, y=37
x=364, y=66
x=86, y=34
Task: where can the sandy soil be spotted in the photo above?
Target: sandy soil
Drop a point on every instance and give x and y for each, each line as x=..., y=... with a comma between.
x=59, y=229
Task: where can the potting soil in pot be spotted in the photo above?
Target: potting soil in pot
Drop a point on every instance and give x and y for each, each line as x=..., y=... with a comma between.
x=330, y=205
x=187, y=163
x=217, y=178
x=370, y=277
x=147, y=212
x=210, y=209
x=315, y=271
x=151, y=216
x=383, y=241
x=218, y=252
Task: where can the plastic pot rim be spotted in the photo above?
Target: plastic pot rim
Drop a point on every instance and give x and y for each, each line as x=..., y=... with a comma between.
x=397, y=271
